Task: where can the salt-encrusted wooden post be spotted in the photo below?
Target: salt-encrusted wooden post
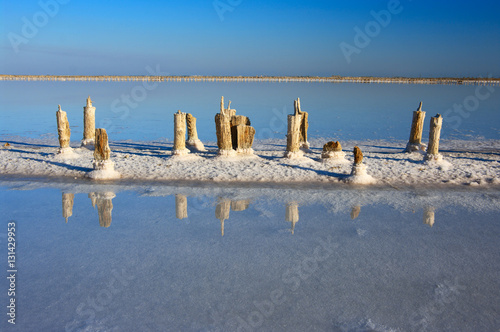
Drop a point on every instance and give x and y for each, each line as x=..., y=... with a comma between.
x=293, y=135
x=193, y=139
x=240, y=205
x=104, y=203
x=304, y=124
x=434, y=136
x=292, y=214
x=63, y=131
x=223, y=129
x=358, y=172
x=180, y=134
x=242, y=134
x=333, y=150
x=222, y=212
x=429, y=215
x=417, y=126
x=67, y=205
x=181, y=211
x=88, y=124
x=103, y=167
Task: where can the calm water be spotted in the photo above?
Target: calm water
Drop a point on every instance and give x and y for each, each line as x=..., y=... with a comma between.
x=143, y=111
x=368, y=260
x=156, y=257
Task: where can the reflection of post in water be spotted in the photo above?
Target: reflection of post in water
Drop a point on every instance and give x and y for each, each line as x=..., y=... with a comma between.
x=355, y=212
x=67, y=205
x=181, y=206
x=93, y=198
x=429, y=212
x=222, y=212
x=104, y=207
x=292, y=214
x=240, y=205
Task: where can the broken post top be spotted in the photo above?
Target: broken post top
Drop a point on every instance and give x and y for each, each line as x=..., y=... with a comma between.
x=89, y=102
x=358, y=156
x=59, y=108
x=179, y=112
x=419, y=107
x=296, y=106
x=437, y=116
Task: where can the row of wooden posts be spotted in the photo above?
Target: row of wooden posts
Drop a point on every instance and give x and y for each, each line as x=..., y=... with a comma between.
x=235, y=135
x=103, y=201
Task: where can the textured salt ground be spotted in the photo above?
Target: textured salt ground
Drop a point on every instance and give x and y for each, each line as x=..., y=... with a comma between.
x=465, y=163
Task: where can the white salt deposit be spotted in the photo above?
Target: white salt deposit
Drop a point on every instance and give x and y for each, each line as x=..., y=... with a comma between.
x=464, y=163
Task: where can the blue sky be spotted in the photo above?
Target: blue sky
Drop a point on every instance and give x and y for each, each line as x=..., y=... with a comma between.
x=251, y=37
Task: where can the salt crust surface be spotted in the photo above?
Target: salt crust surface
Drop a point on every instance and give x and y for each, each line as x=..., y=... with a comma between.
x=475, y=163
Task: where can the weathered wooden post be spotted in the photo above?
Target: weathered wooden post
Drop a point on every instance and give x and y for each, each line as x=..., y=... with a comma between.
x=358, y=172
x=293, y=136
x=434, y=136
x=103, y=167
x=181, y=206
x=429, y=215
x=104, y=203
x=292, y=214
x=304, y=124
x=88, y=124
x=67, y=205
x=242, y=134
x=180, y=134
x=63, y=131
x=222, y=212
x=333, y=151
x=223, y=129
x=417, y=126
x=193, y=139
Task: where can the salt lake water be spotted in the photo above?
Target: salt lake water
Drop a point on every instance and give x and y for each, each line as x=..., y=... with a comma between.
x=221, y=257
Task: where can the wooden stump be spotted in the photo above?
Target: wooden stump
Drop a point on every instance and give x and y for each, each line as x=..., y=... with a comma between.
x=293, y=136
x=88, y=123
x=333, y=150
x=104, y=203
x=63, y=130
x=191, y=127
x=67, y=205
x=358, y=156
x=181, y=207
x=434, y=136
x=223, y=129
x=101, y=148
x=417, y=126
x=180, y=134
x=304, y=124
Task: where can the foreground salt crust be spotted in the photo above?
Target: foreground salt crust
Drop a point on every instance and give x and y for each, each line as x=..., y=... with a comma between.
x=464, y=162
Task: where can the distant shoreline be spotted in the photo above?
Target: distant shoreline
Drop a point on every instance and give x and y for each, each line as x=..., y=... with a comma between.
x=279, y=79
